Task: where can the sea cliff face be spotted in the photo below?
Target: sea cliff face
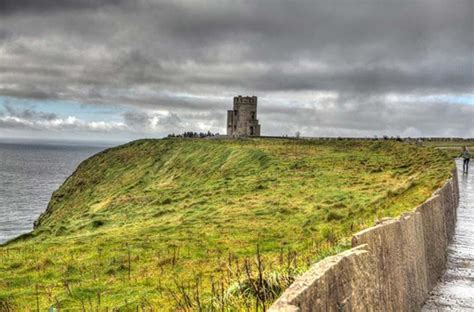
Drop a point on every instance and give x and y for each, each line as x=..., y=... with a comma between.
x=188, y=223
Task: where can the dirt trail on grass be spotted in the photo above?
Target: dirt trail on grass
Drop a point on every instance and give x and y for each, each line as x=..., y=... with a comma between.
x=455, y=291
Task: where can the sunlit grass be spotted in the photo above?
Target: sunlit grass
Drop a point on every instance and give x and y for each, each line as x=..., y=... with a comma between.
x=453, y=148
x=152, y=222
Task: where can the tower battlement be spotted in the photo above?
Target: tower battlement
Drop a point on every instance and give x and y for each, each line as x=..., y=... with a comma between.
x=242, y=120
x=245, y=100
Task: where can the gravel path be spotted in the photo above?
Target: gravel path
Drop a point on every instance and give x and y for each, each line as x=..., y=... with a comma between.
x=455, y=291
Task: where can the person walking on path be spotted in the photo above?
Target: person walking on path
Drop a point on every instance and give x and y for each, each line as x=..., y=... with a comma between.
x=467, y=157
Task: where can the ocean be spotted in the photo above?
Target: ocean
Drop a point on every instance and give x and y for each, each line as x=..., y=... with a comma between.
x=29, y=173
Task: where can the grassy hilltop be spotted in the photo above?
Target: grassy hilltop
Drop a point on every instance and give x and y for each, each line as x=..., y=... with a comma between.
x=189, y=224
x=452, y=147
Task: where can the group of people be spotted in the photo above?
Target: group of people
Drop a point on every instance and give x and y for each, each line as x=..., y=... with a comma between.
x=466, y=156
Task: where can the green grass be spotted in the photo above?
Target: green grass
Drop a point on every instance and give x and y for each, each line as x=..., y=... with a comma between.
x=453, y=148
x=174, y=224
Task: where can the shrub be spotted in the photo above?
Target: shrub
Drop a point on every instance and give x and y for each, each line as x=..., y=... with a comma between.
x=334, y=216
x=97, y=223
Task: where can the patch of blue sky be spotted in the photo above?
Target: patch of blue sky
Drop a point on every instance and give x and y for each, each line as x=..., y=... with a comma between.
x=461, y=99
x=64, y=109
x=466, y=99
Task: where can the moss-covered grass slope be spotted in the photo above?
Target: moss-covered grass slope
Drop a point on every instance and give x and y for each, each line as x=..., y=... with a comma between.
x=175, y=224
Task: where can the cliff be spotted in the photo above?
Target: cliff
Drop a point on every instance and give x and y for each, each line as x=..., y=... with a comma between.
x=176, y=223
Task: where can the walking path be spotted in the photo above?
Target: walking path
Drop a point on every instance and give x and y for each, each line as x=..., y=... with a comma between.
x=455, y=291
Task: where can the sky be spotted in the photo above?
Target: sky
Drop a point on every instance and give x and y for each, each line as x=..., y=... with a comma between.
x=127, y=69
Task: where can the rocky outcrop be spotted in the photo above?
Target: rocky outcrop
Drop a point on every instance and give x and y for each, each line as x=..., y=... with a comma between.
x=391, y=267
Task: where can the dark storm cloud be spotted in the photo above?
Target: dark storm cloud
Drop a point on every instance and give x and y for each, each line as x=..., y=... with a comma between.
x=148, y=122
x=136, y=119
x=28, y=92
x=47, y=6
x=190, y=57
x=28, y=113
x=373, y=116
x=4, y=35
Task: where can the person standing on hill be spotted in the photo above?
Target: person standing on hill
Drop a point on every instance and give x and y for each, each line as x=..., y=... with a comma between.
x=467, y=157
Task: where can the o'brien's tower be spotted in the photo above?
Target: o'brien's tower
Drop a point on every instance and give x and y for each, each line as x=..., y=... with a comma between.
x=242, y=120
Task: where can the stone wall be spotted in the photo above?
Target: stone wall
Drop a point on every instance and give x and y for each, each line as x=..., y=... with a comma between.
x=391, y=267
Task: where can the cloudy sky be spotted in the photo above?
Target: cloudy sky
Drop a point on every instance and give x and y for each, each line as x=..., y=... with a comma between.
x=124, y=69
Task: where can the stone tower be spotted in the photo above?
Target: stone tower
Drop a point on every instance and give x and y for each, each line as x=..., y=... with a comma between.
x=242, y=120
